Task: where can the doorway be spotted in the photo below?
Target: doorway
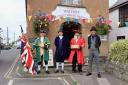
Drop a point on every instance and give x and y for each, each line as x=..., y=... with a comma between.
x=69, y=29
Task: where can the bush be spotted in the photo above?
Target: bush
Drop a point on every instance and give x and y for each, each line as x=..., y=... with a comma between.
x=119, y=52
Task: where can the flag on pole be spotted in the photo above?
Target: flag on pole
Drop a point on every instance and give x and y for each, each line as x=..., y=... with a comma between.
x=27, y=59
x=23, y=40
x=21, y=29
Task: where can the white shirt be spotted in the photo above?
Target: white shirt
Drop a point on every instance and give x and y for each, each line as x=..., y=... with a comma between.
x=60, y=37
x=42, y=39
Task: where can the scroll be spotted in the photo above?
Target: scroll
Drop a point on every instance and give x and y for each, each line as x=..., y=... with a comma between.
x=75, y=46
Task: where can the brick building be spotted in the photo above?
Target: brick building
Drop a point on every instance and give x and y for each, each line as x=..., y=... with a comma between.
x=93, y=8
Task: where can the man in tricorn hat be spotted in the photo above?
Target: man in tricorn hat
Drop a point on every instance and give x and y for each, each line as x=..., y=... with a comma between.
x=61, y=52
x=94, y=43
x=42, y=45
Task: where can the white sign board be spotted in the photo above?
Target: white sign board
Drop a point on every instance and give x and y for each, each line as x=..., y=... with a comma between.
x=104, y=37
x=63, y=11
x=51, y=58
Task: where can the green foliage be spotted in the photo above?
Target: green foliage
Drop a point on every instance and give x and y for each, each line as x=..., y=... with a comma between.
x=40, y=24
x=75, y=83
x=119, y=52
x=102, y=28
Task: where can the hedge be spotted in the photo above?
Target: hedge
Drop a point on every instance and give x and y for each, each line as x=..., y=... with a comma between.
x=119, y=52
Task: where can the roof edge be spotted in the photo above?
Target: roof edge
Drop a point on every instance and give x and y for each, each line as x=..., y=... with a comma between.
x=118, y=6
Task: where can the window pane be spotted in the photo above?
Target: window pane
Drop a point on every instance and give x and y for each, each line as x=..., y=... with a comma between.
x=123, y=15
x=71, y=2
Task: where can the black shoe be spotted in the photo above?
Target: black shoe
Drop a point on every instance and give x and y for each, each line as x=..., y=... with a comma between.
x=47, y=72
x=38, y=72
x=88, y=74
x=74, y=71
x=99, y=75
x=56, y=71
x=62, y=71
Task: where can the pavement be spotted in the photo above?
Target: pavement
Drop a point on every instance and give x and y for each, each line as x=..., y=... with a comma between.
x=12, y=73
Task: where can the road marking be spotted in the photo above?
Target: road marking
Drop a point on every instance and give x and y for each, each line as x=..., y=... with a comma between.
x=11, y=68
x=19, y=74
x=72, y=78
x=60, y=79
x=13, y=65
x=17, y=69
x=35, y=78
x=63, y=80
x=103, y=81
x=10, y=82
x=66, y=81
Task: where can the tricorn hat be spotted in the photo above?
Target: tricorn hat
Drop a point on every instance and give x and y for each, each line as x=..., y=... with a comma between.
x=43, y=31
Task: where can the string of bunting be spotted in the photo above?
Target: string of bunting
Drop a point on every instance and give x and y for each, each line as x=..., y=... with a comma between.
x=84, y=20
x=52, y=18
x=41, y=21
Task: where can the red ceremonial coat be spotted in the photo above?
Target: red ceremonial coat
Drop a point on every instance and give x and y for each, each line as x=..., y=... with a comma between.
x=80, y=55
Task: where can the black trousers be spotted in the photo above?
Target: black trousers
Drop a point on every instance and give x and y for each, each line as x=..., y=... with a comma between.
x=74, y=62
x=41, y=62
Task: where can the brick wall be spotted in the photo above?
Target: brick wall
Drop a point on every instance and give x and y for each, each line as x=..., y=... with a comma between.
x=94, y=8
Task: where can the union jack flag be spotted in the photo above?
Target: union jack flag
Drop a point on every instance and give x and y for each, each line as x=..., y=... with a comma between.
x=27, y=59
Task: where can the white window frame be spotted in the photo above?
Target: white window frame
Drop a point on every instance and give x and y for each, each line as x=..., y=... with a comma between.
x=71, y=2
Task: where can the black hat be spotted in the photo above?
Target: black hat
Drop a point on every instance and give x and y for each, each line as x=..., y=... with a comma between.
x=43, y=31
x=93, y=28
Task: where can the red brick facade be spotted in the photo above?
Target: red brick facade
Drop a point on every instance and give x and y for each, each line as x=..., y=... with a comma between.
x=94, y=8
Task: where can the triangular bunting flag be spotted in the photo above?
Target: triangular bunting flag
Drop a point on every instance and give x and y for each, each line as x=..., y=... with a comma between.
x=29, y=18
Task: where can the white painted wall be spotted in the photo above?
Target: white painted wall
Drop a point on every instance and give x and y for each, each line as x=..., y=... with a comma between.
x=114, y=16
x=117, y=32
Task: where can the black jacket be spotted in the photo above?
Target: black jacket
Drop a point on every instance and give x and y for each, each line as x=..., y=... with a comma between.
x=97, y=42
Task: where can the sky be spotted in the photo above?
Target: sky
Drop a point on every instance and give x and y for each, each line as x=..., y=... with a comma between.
x=12, y=14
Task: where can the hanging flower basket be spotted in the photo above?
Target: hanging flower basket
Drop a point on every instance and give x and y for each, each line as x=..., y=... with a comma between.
x=40, y=24
x=41, y=21
x=103, y=28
